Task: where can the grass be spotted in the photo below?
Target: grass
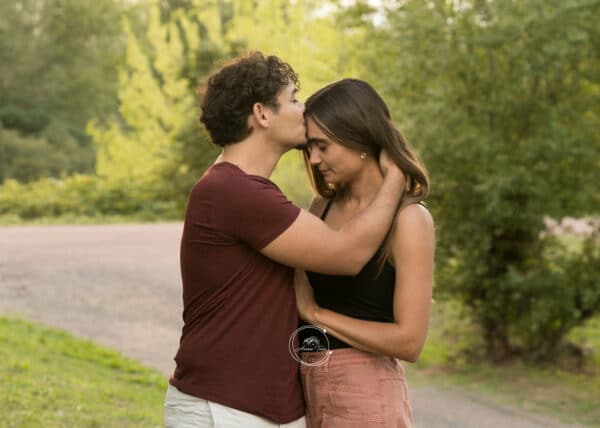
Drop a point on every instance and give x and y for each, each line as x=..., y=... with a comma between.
x=557, y=390
x=570, y=397
x=50, y=379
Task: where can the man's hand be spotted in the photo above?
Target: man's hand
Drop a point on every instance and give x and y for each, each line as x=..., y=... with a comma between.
x=305, y=300
x=389, y=167
x=386, y=163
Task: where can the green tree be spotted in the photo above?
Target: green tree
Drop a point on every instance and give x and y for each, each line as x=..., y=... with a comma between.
x=157, y=133
x=501, y=97
x=156, y=139
x=60, y=54
x=58, y=62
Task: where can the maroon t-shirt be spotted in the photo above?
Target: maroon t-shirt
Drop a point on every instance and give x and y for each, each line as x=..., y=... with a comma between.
x=239, y=308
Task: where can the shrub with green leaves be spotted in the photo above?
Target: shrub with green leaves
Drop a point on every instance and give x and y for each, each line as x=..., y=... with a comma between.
x=86, y=196
x=557, y=292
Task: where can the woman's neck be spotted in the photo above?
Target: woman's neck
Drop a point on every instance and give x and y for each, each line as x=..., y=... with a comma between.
x=358, y=193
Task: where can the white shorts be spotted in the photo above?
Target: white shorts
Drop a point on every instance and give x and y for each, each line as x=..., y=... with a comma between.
x=186, y=411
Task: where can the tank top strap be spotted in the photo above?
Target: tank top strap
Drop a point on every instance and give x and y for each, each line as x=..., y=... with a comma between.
x=326, y=210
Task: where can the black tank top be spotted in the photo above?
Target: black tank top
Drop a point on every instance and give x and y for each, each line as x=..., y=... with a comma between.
x=366, y=296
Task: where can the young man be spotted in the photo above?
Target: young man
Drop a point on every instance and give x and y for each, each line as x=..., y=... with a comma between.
x=241, y=237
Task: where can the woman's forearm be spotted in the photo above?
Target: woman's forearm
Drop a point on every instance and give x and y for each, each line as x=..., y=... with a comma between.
x=371, y=336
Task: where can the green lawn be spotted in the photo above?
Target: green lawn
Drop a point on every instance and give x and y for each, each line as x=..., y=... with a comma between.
x=561, y=389
x=50, y=379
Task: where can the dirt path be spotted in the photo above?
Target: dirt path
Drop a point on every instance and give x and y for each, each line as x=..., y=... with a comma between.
x=120, y=286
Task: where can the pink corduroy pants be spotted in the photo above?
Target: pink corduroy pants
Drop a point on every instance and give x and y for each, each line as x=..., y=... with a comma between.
x=355, y=389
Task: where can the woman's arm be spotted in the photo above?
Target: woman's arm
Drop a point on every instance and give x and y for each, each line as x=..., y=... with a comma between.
x=413, y=246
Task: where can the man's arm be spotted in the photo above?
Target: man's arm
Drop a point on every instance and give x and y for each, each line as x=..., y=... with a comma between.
x=310, y=244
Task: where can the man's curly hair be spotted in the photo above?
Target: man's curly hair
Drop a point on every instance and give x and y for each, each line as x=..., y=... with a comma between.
x=231, y=92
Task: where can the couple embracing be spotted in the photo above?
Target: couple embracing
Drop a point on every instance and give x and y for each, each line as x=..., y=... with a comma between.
x=356, y=266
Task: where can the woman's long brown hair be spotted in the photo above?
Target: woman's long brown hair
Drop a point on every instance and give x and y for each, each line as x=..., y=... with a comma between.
x=352, y=113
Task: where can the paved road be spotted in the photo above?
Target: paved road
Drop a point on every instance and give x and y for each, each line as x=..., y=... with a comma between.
x=119, y=285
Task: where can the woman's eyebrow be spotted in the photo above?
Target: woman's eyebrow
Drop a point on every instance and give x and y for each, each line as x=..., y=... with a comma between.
x=315, y=140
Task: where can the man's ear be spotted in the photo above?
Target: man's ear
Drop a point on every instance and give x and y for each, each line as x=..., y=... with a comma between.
x=260, y=115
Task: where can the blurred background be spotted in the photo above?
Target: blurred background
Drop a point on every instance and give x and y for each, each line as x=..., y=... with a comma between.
x=501, y=99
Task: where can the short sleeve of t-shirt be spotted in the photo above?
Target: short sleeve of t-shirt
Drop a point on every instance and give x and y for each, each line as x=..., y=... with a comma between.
x=251, y=208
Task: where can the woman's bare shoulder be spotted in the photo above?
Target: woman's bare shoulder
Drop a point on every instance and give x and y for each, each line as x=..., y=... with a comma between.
x=414, y=222
x=414, y=233
x=414, y=215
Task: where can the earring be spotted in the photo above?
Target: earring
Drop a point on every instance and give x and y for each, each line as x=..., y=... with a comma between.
x=363, y=155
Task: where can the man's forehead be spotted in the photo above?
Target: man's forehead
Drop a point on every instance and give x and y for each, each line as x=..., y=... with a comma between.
x=290, y=88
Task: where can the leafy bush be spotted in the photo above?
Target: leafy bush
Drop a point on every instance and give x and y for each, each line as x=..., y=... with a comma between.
x=57, y=150
x=26, y=121
x=83, y=195
x=561, y=291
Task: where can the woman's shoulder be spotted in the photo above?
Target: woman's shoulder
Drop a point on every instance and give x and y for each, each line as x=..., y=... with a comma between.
x=414, y=232
x=414, y=210
x=413, y=220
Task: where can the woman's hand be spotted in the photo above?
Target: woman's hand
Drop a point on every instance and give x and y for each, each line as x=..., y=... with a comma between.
x=305, y=300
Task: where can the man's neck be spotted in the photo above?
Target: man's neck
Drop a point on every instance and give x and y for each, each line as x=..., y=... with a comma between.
x=254, y=156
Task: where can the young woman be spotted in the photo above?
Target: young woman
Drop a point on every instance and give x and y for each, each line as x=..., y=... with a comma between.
x=381, y=315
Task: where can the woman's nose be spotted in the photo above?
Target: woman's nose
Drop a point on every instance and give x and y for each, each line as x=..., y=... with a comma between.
x=314, y=157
